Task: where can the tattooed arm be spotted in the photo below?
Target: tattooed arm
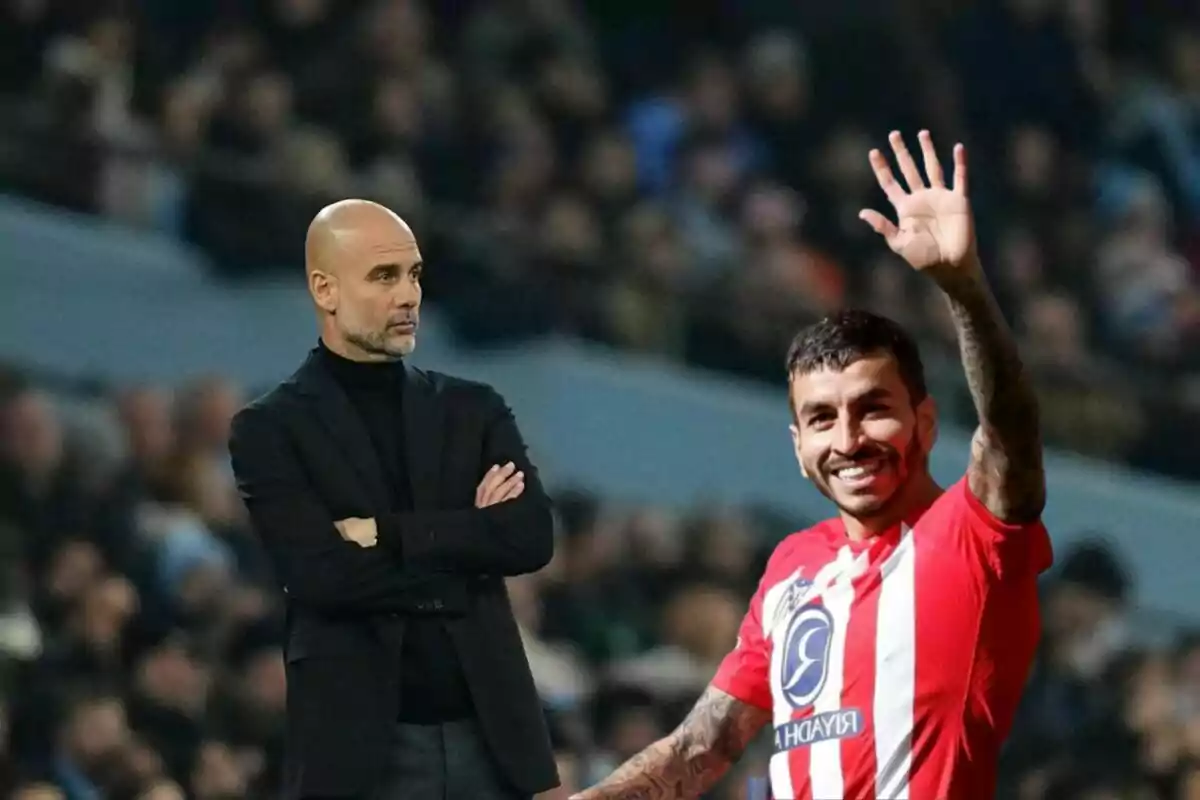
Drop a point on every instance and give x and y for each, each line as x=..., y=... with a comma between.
x=935, y=233
x=1005, y=471
x=691, y=758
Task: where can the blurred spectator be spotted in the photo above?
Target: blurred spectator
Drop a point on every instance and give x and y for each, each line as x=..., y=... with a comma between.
x=681, y=180
x=159, y=673
x=717, y=180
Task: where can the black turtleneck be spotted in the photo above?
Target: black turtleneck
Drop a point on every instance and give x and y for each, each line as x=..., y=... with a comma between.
x=433, y=688
x=376, y=390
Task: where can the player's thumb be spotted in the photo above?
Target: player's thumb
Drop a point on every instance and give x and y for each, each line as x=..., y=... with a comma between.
x=878, y=222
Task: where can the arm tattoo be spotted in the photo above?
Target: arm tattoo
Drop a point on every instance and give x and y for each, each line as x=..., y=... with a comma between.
x=1006, y=471
x=692, y=758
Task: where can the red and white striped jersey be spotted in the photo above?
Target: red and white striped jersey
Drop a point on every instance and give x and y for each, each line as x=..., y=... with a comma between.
x=893, y=667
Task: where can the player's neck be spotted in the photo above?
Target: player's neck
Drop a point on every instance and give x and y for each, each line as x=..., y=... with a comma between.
x=916, y=496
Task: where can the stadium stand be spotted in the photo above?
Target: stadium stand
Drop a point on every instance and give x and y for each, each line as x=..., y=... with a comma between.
x=674, y=179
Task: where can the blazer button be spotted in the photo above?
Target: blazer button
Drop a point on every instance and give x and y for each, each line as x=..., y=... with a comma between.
x=438, y=605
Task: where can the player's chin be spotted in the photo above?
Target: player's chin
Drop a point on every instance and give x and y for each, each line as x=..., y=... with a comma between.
x=401, y=344
x=864, y=504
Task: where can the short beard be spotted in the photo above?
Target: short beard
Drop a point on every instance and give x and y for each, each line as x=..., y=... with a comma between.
x=377, y=344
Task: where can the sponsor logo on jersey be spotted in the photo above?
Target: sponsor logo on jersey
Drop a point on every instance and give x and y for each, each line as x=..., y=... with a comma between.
x=806, y=642
x=840, y=724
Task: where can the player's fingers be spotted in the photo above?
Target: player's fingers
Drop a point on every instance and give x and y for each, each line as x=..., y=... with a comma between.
x=513, y=484
x=887, y=181
x=960, y=169
x=484, y=492
x=511, y=494
x=933, y=167
x=496, y=476
x=879, y=223
x=505, y=471
x=491, y=493
x=509, y=491
x=496, y=489
x=904, y=159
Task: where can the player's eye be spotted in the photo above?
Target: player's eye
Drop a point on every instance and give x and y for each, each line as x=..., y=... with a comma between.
x=821, y=421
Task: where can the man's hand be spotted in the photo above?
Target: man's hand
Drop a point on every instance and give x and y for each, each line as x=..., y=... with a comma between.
x=936, y=235
x=501, y=483
x=362, y=532
x=934, y=231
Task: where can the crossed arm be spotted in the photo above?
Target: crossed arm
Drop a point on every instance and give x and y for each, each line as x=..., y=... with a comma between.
x=501, y=483
x=691, y=758
x=322, y=569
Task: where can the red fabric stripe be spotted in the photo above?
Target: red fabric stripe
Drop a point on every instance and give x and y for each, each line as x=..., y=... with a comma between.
x=858, y=752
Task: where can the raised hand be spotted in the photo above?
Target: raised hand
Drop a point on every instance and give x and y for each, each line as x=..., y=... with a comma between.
x=934, y=231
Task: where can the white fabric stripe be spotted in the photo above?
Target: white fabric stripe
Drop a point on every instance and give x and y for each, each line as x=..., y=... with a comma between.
x=825, y=758
x=778, y=768
x=895, y=671
x=780, y=771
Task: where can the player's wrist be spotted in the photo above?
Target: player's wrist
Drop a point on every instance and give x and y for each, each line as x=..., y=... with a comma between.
x=961, y=279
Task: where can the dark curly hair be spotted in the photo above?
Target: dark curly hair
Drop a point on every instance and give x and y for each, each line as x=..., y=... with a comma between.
x=837, y=341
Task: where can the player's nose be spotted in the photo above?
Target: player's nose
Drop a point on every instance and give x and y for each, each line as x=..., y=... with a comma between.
x=848, y=438
x=406, y=297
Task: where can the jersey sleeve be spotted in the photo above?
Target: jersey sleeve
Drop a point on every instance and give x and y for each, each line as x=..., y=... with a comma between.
x=1022, y=549
x=743, y=673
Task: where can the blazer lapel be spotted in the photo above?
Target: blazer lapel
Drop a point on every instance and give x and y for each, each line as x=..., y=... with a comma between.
x=422, y=438
x=336, y=413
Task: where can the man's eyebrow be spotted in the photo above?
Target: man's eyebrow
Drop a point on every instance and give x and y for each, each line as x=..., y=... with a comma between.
x=396, y=265
x=809, y=406
x=878, y=393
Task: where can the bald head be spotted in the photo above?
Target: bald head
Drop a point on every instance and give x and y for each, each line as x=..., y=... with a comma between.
x=344, y=220
x=363, y=268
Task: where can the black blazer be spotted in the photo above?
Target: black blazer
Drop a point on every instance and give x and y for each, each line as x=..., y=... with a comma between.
x=303, y=459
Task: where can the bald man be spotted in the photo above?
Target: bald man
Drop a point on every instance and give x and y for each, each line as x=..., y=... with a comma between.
x=393, y=503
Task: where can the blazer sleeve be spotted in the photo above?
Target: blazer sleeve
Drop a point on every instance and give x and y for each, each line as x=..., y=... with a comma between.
x=316, y=566
x=510, y=538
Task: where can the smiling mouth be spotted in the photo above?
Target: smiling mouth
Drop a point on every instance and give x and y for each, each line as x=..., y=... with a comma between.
x=860, y=474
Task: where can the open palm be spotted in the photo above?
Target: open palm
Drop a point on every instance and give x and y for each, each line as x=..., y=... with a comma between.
x=934, y=230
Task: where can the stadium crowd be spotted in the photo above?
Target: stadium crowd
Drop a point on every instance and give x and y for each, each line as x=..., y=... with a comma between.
x=679, y=178
x=139, y=633
x=674, y=177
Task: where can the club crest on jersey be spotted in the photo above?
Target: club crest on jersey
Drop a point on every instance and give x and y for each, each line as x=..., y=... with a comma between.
x=806, y=645
x=793, y=598
x=804, y=665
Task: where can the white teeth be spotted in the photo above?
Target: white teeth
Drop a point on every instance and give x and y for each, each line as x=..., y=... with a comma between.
x=860, y=471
